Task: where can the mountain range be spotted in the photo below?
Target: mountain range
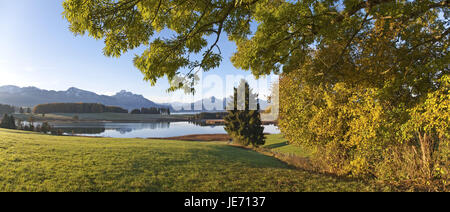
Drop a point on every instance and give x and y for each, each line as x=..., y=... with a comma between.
x=32, y=96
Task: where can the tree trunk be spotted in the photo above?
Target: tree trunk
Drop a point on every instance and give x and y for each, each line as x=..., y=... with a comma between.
x=427, y=148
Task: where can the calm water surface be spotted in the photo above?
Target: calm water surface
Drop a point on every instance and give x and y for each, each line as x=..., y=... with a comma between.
x=144, y=130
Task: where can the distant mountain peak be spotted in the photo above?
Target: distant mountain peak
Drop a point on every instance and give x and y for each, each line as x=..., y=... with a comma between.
x=124, y=93
x=78, y=92
x=73, y=89
x=10, y=89
x=9, y=86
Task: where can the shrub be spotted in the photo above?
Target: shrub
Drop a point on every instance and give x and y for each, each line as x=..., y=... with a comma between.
x=363, y=131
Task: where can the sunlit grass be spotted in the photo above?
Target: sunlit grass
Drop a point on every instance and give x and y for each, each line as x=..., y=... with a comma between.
x=36, y=162
x=277, y=143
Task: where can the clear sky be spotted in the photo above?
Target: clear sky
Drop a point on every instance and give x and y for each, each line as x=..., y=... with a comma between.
x=37, y=49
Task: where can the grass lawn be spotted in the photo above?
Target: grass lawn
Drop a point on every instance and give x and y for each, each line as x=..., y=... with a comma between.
x=36, y=162
x=277, y=143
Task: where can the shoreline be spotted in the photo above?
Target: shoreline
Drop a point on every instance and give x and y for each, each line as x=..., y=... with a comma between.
x=200, y=137
x=197, y=137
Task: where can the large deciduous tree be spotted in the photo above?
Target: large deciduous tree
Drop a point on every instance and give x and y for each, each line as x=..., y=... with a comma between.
x=127, y=24
x=357, y=31
x=369, y=86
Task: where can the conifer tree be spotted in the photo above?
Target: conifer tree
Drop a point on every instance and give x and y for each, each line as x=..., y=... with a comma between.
x=8, y=122
x=45, y=128
x=4, y=122
x=242, y=123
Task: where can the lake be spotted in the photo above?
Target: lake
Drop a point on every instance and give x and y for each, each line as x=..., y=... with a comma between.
x=144, y=130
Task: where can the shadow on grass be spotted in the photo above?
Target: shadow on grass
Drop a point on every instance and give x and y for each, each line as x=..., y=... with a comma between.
x=230, y=154
x=276, y=145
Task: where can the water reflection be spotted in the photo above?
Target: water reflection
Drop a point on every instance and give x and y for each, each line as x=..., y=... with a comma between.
x=75, y=131
x=144, y=130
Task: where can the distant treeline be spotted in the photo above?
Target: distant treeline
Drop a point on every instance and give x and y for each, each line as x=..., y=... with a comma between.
x=9, y=122
x=151, y=110
x=77, y=108
x=6, y=109
x=206, y=115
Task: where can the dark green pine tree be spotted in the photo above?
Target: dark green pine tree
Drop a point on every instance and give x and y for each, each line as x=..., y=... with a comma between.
x=8, y=122
x=5, y=120
x=243, y=123
x=45, y=127
x=12, y=122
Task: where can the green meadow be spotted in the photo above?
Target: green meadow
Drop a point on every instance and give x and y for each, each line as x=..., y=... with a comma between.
x=277, y=144
x=37, y=162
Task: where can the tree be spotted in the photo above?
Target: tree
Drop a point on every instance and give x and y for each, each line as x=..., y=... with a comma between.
x=8, y=122
x=136, y=111
x=355, y=122
x=6, y=109
x=19, y=125
x=285, y=33
x=45, y=128
x=242, y=123
x=21, y=110
x=76, y=108
x=128, y=24
x=5, y=120
x=37, y=128
x=31, y=119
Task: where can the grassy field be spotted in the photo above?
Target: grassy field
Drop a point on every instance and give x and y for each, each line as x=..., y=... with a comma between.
x=36, y=162
x=277, y=143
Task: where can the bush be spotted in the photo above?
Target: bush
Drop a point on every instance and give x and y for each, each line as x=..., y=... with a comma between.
x=368, y=132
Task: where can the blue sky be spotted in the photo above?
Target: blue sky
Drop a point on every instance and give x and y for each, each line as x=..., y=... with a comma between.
x=37, y=49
